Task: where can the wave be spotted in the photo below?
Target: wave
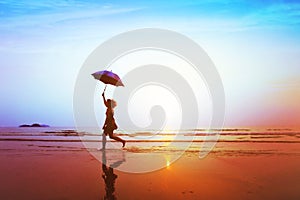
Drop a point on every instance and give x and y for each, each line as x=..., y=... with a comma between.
x=148, y=141
x=228, y=135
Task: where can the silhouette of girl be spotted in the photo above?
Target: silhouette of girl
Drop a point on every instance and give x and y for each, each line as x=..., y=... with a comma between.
x=110, y=124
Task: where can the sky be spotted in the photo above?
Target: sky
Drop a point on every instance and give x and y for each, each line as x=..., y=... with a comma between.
x=253, y=44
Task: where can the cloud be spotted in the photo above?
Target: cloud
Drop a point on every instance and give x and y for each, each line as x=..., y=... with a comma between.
x=276, y=15
x=61, y=16
x=211, y=16
x=27, y=26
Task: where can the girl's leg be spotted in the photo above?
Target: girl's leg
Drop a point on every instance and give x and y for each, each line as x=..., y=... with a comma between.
x=112, y=136
x=103, y=141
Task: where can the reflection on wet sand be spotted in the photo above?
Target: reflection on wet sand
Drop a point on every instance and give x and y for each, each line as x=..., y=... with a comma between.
x=109, y=176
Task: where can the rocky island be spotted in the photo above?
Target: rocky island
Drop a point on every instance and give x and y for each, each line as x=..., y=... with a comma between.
x=34, y=125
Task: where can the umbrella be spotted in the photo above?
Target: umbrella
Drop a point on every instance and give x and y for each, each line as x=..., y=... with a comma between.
x=108, y=77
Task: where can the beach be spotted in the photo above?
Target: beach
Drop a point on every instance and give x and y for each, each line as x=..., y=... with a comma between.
x=56, y=164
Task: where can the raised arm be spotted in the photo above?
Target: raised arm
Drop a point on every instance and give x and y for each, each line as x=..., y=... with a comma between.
x=105, y=103
x=104, y=100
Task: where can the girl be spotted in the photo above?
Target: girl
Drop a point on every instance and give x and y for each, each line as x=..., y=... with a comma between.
x=110, y=124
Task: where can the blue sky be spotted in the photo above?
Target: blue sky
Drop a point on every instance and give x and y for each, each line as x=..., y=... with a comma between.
x=254, y=45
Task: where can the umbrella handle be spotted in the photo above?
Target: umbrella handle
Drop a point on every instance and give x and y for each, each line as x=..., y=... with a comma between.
x=104, y=88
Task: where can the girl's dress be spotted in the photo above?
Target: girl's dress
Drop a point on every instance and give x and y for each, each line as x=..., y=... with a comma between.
x=110, y=123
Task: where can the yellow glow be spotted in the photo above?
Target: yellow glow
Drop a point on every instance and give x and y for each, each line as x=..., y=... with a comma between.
x=168, y=139
x=168, y=164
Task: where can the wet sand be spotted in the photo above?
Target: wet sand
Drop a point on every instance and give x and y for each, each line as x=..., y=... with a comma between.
x=233, y=170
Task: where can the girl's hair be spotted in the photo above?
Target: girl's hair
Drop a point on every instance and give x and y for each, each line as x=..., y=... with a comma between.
x=111, y=103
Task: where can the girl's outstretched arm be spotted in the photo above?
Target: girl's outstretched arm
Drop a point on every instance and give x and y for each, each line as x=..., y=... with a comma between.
x=104, y=100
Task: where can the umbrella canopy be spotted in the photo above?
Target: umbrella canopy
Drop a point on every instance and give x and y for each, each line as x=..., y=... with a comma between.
x=108, y=77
